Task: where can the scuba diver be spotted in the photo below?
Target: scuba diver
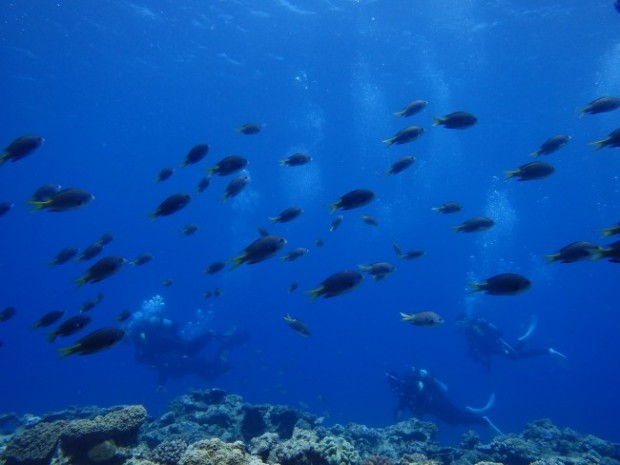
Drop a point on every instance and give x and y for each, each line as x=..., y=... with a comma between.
x=159, y=343
x=484, y=341
x=422, y=394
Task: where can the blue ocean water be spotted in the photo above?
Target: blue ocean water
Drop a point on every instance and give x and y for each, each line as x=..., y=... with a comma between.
x=120, y=90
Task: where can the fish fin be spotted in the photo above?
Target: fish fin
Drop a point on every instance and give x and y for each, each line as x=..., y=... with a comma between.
x=153, y=215
x=399, y=113
x=552, y=257
x=536, y=153
x=237, y=261
x=388, y=142
x=599, y=144
x=438, y=120
x=510, y=174
x=458, y=228
x=81, y=281
x=475, y=287
x=51, y=337
x=314, y=293
x=436, y=209
x=334, y=206
x=4, y=157
x=274, y=219
x=66, y=351
x=288, y=317
x=283, y=162
x=406, y=317
x=363, y=267
x=183, y=164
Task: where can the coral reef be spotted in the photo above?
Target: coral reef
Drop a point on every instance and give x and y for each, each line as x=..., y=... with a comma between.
x=34, y=446
x=338, y=451
x=169, y=452
x=213, y=427
x=84, y=441
x=214, y=413
x=218, y=452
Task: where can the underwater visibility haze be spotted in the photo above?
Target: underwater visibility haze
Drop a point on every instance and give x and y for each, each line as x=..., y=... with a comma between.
x=246, y=181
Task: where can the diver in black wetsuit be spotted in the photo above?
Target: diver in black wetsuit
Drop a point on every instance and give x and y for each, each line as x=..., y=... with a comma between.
x=422, y=394
x=484, y=341
x=159, y=344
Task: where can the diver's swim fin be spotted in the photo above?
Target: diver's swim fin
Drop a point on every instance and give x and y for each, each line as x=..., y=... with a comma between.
x=492, y=426
x=486, y=408
x=530, y=329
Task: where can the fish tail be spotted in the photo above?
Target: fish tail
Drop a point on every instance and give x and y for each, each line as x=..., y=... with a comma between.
x=437, y=121
x=81, y=281
x=406, y=317
x=3, y=157
x=283, y=162
x=388, y=142
x=600, y=253
x=236, y=261
x=599, y=144
x=607, y=232
x=399, y=113
x=66, y=351
x=274, y=219
x=552, y=258
x=51, y=337
x=475, y=287
x=397, y=248
x=536, y=153
x=36, y=205
x=436, y=209
x=363, y=267
x=510, y=174
x=153, y=215
x=582, y=112
x=334, y=206
x=314, y=293
x=457, y=228
x=288, y=317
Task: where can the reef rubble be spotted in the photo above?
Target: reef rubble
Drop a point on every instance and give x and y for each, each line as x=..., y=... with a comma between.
x=214, y=427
